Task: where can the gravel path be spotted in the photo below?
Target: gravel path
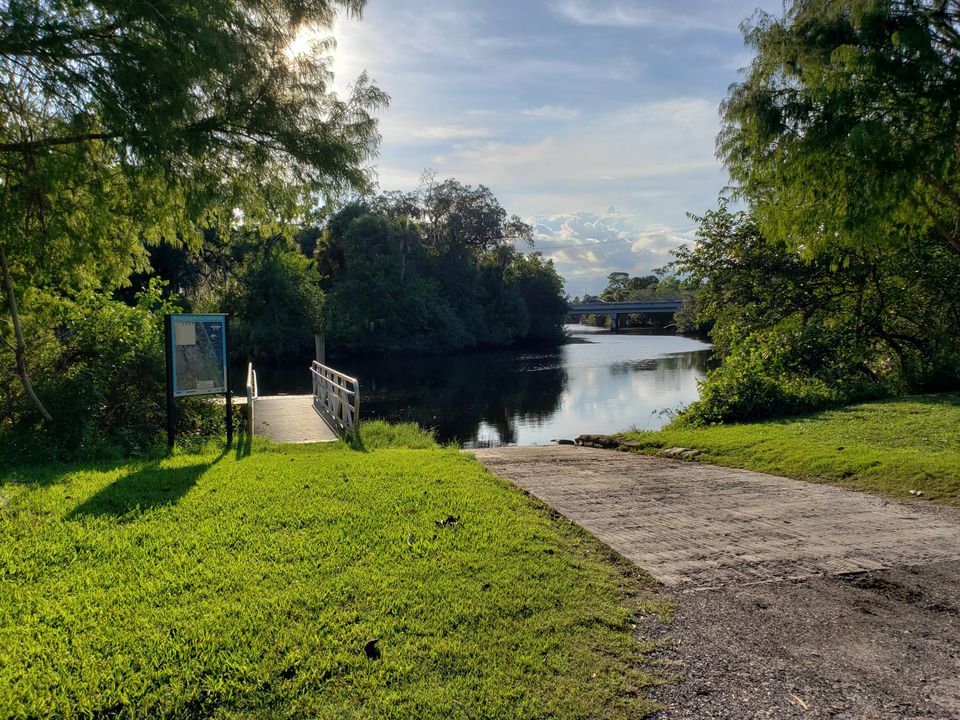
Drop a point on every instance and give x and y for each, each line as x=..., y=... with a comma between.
x=794, y=599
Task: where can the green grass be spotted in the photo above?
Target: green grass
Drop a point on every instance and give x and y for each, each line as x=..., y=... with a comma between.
x=890, y=447
x=379, y=435
x=246, y=585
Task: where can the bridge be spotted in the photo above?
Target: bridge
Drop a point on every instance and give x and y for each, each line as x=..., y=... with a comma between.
x=631, y=307
x=332, y=411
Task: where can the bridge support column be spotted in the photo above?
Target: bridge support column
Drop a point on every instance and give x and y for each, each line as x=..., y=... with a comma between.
x=613, y=322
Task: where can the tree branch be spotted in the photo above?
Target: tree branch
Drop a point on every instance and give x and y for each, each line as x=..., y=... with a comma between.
x=30, y=145
x=944, y=187
x=952, y=240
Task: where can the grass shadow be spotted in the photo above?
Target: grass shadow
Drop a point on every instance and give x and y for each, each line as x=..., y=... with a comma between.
x=151, y=486
x=244, y=443
x=354, y=441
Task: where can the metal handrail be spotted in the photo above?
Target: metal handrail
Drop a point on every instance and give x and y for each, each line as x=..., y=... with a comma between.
x=336, y=397
x=252, y=395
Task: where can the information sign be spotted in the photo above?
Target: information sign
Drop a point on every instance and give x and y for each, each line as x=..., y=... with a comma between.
x=198, y=354
x=196, y=350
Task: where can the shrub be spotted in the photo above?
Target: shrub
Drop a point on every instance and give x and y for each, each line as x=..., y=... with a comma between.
x=103, y=381
x=796, y=334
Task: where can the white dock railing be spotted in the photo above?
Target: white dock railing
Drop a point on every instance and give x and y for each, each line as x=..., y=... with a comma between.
x=337, y=398
x=251, y=396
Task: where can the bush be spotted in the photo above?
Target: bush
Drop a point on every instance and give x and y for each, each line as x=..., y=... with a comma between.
x=381, y=435
x=103, y=381
x=796, y=334
x=744, y=388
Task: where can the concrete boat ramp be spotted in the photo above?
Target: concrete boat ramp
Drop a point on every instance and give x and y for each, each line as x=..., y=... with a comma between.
x=699, y=526
x=791, y=600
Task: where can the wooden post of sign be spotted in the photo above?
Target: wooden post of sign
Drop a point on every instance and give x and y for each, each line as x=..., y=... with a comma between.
x=168, y=353
x=320, y=345
x=226, y=367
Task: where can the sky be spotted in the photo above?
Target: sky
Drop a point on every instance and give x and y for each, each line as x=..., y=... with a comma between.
x=594, y=120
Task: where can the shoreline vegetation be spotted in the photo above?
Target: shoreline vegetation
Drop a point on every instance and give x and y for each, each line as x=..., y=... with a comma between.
x=896, y=447
x=315, y=580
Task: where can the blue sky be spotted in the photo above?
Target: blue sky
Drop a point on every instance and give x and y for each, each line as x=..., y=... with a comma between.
x=592, y=119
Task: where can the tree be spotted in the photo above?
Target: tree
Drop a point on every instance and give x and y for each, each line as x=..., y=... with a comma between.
x=622, y=287
x=396, y=283
x=796, y=334
x=845, y=133
x=459, y=216
x=130, y=123
x=542, y=290
x=277, y=302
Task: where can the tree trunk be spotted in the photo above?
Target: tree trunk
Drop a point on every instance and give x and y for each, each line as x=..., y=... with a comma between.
x=21, y=346
x=952, y=240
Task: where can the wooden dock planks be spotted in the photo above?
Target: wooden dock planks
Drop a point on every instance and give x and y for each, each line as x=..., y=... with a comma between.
x=291, y=419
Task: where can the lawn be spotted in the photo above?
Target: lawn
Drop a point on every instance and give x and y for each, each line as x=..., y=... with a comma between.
x=891, y=447
x=251, y=584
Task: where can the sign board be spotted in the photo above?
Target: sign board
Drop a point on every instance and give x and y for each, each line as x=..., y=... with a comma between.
x=198, y=354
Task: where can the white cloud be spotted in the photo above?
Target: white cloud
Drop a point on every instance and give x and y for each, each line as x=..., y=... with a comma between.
x=616, y=14
x=406, y=128
x=660, y=240
x=661, y=150
x=604, y=13
x=552, y=112
x=588, y=246
x=451, y=132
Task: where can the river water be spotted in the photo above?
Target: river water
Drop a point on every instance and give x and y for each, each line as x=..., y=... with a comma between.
x=598, y=383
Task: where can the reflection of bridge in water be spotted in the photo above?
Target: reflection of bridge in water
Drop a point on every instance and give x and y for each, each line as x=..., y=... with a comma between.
x=615, y=309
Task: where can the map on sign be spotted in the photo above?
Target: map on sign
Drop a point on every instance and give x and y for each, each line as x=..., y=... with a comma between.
x=199, y=354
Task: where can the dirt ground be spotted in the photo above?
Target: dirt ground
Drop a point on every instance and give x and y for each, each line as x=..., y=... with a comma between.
x=881, y=644
x=793, y=599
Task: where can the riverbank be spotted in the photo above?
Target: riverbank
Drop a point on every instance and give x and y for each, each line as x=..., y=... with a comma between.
x=309, y=581
x=524, y=397
x=897, y=447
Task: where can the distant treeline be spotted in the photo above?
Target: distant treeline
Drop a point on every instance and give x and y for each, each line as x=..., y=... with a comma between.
x=432, y=271
x=443, y=268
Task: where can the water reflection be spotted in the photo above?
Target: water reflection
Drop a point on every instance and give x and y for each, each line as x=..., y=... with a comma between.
x=599, y=383
x=604, y=383
x=457, y=395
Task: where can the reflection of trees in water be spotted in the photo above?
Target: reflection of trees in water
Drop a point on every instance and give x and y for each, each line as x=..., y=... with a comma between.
x=455, y=395
x=663, y=365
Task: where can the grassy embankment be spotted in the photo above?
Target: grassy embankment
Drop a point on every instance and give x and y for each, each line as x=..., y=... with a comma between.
x=249, y=585
x=891, y=446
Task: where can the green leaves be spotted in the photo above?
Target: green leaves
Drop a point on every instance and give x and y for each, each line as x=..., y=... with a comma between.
x=129, y=124
x=843, y=126
x=797, y=333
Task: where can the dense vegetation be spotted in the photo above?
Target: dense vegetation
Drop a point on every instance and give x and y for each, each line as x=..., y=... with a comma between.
x=127, y=126
x=841, y=281
x=799, y=334
x=308, y=581
x=122, y=199
x=894, y=446
x=435, y=270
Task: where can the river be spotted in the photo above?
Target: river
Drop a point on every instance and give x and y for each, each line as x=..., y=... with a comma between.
x=597, y=383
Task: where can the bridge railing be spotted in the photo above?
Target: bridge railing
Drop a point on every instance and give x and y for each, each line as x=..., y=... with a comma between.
x=337, y=398
x=251, y=396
